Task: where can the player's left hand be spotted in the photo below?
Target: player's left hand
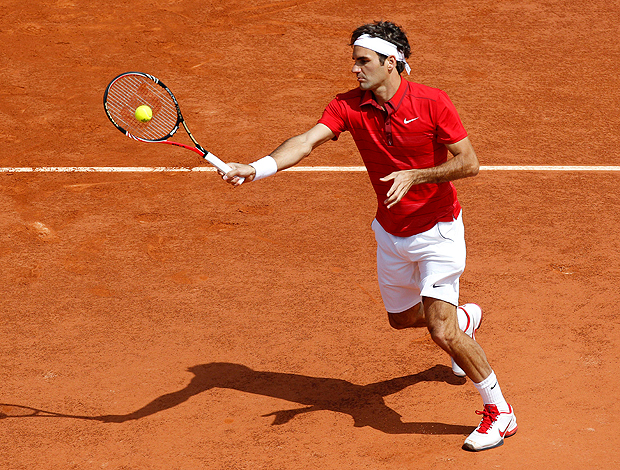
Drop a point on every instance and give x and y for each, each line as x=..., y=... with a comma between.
x=402, y=182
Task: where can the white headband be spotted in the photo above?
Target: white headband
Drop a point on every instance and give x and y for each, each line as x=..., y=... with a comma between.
x=381, y=46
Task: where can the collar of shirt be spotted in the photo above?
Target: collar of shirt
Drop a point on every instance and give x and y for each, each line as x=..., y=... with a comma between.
x=391, y=106
x=368, y=98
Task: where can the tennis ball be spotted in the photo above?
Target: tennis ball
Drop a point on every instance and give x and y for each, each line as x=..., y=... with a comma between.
x=144, y=113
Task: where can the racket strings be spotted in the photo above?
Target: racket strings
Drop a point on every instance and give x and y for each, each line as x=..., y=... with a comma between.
x=129, y=92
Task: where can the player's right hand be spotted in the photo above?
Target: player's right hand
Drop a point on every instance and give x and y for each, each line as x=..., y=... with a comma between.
x=239, y=171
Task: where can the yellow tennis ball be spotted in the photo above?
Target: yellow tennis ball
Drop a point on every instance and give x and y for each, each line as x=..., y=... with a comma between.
x=144, y=113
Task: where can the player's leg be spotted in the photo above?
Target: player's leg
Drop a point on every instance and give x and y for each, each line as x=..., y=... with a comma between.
x=441, y=254
x=498, y=419
x=440, y=271
x=443, y=325
x=469, y=318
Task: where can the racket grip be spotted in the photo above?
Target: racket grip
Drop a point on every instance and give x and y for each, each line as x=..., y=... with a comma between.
x=219, y=164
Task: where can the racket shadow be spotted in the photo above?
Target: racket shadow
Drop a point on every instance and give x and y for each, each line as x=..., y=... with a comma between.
x=364, y=403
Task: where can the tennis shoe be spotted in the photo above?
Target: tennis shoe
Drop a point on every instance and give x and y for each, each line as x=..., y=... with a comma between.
x=494, y=427
x=474, y=319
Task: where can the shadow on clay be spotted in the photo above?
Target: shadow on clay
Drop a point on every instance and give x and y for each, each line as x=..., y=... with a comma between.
x=364, y=403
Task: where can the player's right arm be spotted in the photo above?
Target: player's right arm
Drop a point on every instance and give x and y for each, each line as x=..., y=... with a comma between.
x=288, y=154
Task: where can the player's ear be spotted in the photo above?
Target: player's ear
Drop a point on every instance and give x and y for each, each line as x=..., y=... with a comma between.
x=391, y=63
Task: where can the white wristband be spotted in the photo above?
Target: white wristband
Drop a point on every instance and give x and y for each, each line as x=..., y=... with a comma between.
x=264, y=167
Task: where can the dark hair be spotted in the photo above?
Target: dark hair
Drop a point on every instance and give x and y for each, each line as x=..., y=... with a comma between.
x=388, y=31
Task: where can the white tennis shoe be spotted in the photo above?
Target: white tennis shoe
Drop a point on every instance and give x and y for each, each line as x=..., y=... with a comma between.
x=474, y=319
x=492, y=430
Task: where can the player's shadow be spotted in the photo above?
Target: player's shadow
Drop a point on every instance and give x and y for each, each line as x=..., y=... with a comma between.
x=364, y=403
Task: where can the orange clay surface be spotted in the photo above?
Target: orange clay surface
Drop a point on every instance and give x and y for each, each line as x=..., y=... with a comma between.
x=165, y=321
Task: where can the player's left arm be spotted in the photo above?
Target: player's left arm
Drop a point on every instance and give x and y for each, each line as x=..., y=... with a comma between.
x=463, y=164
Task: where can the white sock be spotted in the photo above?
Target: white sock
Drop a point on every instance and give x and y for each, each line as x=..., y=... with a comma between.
x=491, y=393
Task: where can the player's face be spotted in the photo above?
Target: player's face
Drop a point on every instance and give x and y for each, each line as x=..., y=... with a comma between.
x=367, y=68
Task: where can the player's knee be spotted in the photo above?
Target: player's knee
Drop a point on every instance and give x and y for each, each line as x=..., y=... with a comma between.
x=437, y=334
x=443, y=336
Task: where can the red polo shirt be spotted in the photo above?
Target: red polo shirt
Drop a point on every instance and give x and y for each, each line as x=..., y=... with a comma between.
x=409, y=133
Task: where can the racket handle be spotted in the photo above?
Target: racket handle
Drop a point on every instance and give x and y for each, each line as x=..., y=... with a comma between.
x=219, y=164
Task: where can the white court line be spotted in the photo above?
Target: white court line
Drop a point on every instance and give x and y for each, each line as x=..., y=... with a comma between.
x=550, y=168
x=162, y=169
x=482, y=168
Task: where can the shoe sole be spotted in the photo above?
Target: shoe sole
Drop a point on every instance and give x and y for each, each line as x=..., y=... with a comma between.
x=499, y=444
x=473, y=336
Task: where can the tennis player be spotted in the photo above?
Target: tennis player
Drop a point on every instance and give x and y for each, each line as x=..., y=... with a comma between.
x=414, y=145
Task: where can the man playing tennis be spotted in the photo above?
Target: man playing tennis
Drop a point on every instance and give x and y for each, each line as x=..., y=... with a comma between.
x=404, y=131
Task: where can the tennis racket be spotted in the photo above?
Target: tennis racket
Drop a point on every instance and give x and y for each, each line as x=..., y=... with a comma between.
x=131, y=90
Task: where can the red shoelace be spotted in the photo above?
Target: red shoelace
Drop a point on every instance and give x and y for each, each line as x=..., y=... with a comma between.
x=490, y=414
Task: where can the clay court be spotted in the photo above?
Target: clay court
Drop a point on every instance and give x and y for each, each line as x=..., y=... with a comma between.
x=164, y=320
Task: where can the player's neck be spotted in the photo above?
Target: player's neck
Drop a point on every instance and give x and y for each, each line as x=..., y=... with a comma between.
x=386, y=91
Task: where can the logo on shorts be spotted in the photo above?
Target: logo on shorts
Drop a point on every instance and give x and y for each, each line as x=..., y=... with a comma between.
x=437, y=286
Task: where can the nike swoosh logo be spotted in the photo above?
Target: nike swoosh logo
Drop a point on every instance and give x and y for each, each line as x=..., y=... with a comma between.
x=503, y=433
x=437, y=286
x=407, y=121
x=494, y=385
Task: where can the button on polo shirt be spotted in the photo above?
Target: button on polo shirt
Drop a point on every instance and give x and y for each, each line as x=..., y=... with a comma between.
x=410, y=131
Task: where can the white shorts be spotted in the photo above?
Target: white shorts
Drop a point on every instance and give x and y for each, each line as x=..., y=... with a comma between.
x=428, y=264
